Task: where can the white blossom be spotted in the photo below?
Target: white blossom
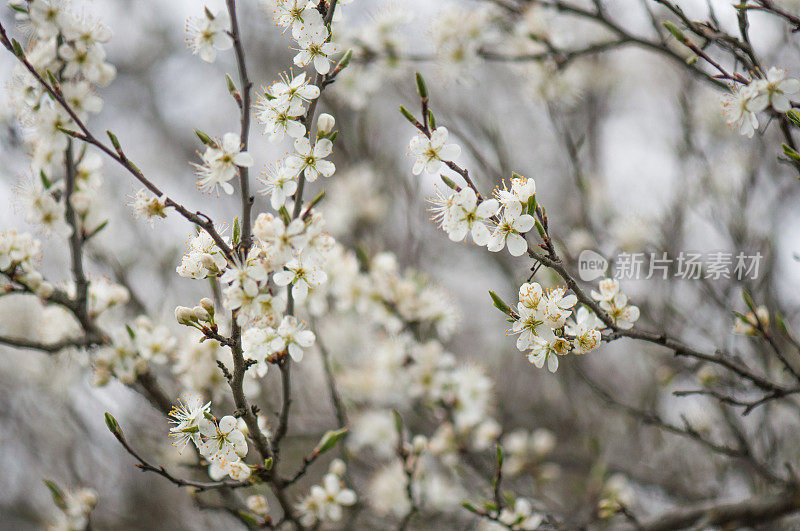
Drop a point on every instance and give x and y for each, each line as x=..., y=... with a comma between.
x=430, y=152
x=208, y=34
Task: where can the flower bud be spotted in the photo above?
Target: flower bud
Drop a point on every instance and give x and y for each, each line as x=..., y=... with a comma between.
x=45, y=290
x=258, y=504
x=208, y=305
x=419, y=443
x=200, y=313
x=184, y=315
x=337, y=467
x=325, y=124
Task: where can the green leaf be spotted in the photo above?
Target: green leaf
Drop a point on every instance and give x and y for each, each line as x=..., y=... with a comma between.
x=97, y=230
x=790, y=152
x=204, y=138
x=52, y=79
x=329, y=440
x=499, y=451
x=532, y=205
x=114, y=141
x=268, y=462
x=237, y=231
x=449, y=182
x=794, y=117
x=348, y=55
x=499, y=304
x=410, y=117
x=676, y=32
x=541, y=230
x=58, y=495
x=319, y=197
x=471, y=508
x=17, y=48
x=47, y=183
x=431, y=119
x=231, y=85
x=422, y=89
x=398, y=421
x=748, y=300
x=249, y=519
x=69, y=132
x=363, y=257
x=113, y=425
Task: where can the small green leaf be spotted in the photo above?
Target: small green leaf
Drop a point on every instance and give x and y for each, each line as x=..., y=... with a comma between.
x=499, y=451
x=17, y=48
x=471, y=508
x=69, y=132
x=532, y=205
x=237, y=232
x=268, y=462
x=794, y=117
x=47, y=183
x=790, y=152
x=410, y=117
x=97, y=230
x=541, y=230
x=345, y=60
x=204, y=138
x=422, y=89
x=363, y=257
x=58, y=495
x=449, y=182
x=52, y=79
x=676, y=32
x=285, y=215
x=398, y=421
x=431, y=119
x=499, y=304
x=329, y=440
x=112, y=424
x=231, y=85
x=114, y=141
x=748, y=300
x=319, y=197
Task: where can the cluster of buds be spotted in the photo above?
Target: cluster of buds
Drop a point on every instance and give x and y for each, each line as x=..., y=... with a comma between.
x=200, y=317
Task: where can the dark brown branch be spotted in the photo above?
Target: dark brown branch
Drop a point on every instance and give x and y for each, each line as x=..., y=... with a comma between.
x=161, y=471
x=244, y=108
x=747, y=513
x=52, y=348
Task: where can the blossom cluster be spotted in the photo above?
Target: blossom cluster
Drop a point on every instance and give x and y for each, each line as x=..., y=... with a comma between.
x=20, y=254
x=324, y=502
x=541, y=322
x=744, y=102
x=496, y=223
x=68, y=47
x=221, y=442
x=133, y=350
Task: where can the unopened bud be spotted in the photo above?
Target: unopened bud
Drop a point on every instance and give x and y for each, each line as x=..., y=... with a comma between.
x=419, y=443
x=208, y=305
x=45, y=290
x=184, y=315
x=325, y=124
x=200, y=313
x=338, y=467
